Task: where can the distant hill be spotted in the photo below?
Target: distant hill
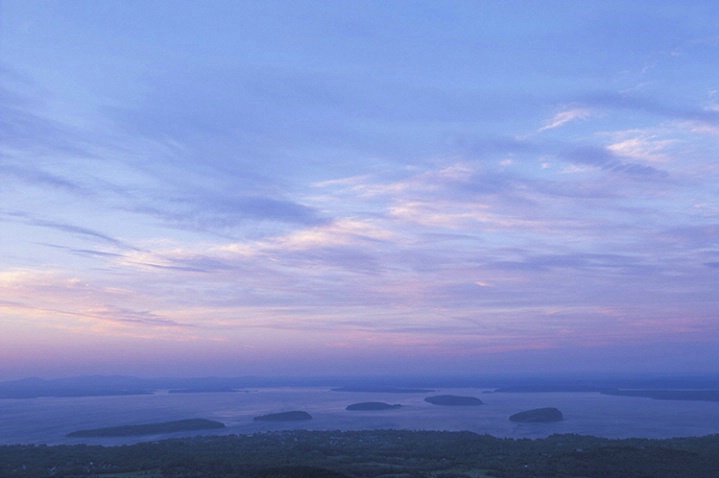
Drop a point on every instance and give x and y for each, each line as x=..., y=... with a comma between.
x=74, y=387
x=698, y=395
x=204, y=390
x=549, y=387
x=664, y=388
x=634, y=385
x=453, y=400
x=106, y=385
x=381, y=389
x=284, y=417
x=191, y=424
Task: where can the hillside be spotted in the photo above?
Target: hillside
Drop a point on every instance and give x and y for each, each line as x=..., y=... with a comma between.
x=371, y=454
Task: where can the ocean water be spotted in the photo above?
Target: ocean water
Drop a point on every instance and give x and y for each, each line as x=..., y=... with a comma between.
x=49, y=420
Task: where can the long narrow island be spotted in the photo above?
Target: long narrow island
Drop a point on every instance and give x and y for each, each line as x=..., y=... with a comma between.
x=292, y=416
x=372, y=406
x=191, y=424
x=454, y=401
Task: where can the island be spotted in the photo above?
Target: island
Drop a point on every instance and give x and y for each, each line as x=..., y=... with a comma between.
x=372, y=406
x=453, y=400
x=381, y=389
x=698, y=395
x=292, y=416
x=191, y=424
x=538, y=415
x=204, y=390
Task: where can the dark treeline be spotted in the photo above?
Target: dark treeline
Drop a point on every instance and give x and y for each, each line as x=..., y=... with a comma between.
x=295, y=454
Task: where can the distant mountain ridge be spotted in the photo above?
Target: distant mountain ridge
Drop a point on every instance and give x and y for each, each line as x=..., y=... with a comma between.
x=107, y=385
x=696, y=395
x=668, y=388
x=95, y=385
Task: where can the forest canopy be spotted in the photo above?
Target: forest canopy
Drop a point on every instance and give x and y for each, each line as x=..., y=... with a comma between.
x=370, y=454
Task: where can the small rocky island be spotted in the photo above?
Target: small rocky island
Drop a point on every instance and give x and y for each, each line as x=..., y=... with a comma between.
x=538, y=415
x=453, y=400
x=372, y=406
x=293, y=416
x=191, y=424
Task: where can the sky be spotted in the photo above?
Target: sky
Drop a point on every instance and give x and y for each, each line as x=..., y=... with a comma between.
x=358, y=187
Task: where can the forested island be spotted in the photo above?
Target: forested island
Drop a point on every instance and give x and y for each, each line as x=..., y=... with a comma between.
x=370, y=454
x=453, y=401
x=372, y=406
x=380, y=389
x=538, y=415
x=191, y=424
x=698, y=395
x=284, y=416
x=204, y=390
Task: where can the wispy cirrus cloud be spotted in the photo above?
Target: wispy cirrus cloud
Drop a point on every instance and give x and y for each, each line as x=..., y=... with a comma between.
x=643, y=146
x=567, y=116
x=69, y=228
x=40, y=178
x=65, y=302
x=225, y=213
x=81, y=231
x=651, y=106
x=606, y=160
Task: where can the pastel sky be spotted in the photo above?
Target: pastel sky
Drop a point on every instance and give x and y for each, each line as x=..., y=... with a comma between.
x=358, y=187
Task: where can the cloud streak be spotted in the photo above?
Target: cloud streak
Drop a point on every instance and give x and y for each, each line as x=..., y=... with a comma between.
x=606, y=160
x=651, y=106
x=565, y=117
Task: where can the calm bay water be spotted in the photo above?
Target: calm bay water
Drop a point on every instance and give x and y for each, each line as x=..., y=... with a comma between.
x=48, y=420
